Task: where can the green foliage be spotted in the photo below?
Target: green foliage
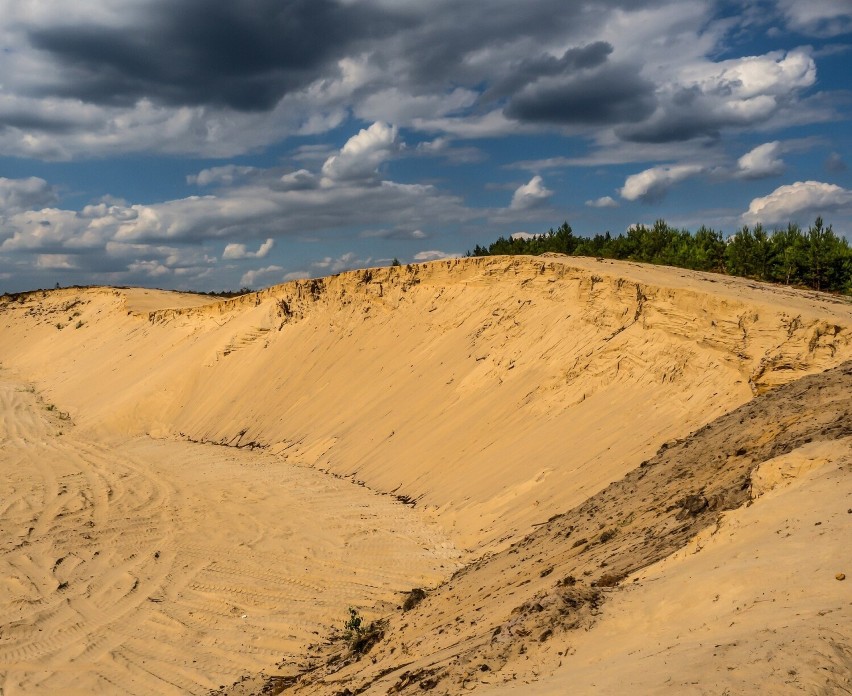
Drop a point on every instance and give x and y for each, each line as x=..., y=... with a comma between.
x=362, y=637
x=561, y=241
x=817, y=258
x=354, y=622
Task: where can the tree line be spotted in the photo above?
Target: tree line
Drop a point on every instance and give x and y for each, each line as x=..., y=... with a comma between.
x=816, y=257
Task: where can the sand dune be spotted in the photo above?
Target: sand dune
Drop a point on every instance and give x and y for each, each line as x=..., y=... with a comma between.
x=493, y=393
x=169, y=567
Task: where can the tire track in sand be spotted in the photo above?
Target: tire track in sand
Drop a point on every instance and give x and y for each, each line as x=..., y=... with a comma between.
x=170, y=567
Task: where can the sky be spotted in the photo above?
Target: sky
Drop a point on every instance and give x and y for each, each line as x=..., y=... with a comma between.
x=196, y=144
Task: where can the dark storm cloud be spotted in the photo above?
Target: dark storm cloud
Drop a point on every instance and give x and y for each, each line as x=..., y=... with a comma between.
x=701, y=120
x=466, y=43
x=34, y=121
x=241, y=54
x=439, y=47
x=528, y=70
x=614, y=94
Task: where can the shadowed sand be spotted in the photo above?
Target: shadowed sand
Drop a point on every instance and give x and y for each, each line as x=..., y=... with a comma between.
x=495, y=394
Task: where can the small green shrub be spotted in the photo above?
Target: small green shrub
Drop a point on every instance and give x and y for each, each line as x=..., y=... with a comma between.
x=354, y=622
x=361, y=637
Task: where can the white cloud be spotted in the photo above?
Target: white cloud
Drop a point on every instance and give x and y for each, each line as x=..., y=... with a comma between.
x=652, y=184
x=751, y=77
x=250, y=278
x=493, y=124
x=763, y=161
x=236, y=251
x=433, y=255
x=530, y=194
x=603, y=202
x=53, y=262
x=344, y=262
x=703, y=98
x=794, y=202
x=153, y=269
x=17, y=195
x=399, y=107
x=299, y=180
x=443, y=147
x=819, y=17
x=258, y=210
x=226, y=175
x=362, y=154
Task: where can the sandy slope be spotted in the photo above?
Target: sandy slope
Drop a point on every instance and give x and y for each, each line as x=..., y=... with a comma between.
x=752, y=603
x=494, y=392
x=169, y=567
x=758, y=609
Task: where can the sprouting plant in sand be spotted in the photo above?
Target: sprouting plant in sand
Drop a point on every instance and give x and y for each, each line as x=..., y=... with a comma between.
x=355, y=621
x=360, y=636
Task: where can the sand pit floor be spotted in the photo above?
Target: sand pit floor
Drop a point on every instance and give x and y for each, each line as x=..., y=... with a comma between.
x=170, y=567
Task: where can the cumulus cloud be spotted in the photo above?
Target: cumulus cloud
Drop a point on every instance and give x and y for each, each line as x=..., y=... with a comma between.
x=613, y=94
x=185, y=77
x=531, y=194
x=176, y=240
x=225, y=175
x=362, y=154
x=235, y=251
x=433, y=255
x=761, y=162
x=299, y=180
x=797, y=202
x=708, y=97
x=603, y=202
x=241, y=55
x=250, y=278
x=53, y=262
x=17, y=195
x=344, y=262
x=652, y=184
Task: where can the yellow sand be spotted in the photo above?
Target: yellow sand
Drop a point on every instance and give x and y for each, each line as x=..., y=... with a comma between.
x=493, y=392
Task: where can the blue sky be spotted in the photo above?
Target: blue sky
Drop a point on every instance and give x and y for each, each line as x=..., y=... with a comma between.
x=191, y=144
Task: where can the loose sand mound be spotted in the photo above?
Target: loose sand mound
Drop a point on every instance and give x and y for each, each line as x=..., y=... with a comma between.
x=493, y=394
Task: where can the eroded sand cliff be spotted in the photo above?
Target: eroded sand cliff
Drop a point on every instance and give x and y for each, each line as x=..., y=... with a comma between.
x=510, y=400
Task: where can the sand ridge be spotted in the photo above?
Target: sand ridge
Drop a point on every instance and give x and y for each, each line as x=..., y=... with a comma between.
x=472, y=402
x=353, y=372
